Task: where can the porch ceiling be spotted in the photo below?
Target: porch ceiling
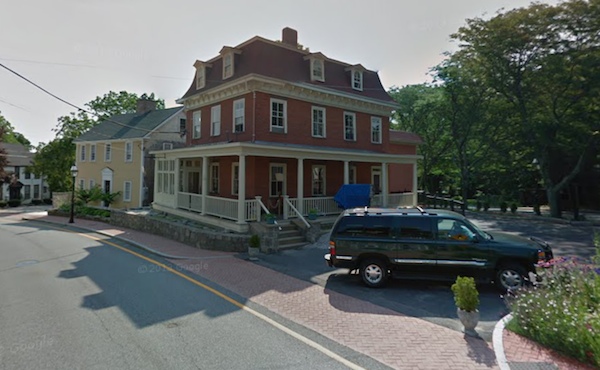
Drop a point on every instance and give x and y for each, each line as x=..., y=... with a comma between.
x=281, y=150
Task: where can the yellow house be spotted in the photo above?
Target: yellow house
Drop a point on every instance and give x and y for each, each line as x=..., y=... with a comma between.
x=115, y=154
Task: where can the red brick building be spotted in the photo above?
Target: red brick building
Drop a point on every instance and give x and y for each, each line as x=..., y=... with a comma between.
x=272, y=127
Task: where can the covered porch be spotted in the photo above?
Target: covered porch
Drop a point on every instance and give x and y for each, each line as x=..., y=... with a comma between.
x=229, y=185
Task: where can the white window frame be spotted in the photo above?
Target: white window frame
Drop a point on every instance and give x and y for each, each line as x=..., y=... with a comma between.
x=227, y=62
x=92, y=183
x=352, y=174
x=316, y=65
x=81, y=183
x=235, y=178
x=323, y=123
x=376, y=128
x=82, y=153
x=128, y=151
x=165, y=170
x=276, y=128
x=167, y=146
x=277, y=180
x=107, y=152
x=200, y=77
x=317, y=171
x=239, y=115
x=214, y=177
x=345, y=129
x=92, y=152
x=197, y=124
x=126, y=194
x=215, y=120
x=357, y=80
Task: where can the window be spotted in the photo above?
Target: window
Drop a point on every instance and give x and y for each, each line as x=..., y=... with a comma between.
x=415, y=228
x=81, y=184
x=127, y=191
x=276, y=179
x=27, y=192
x=215, y=120
x=92, y=184
x=357, y=80
x=227, y=65
x=349, y=126
x=318, y=180
x=36, y=192
x=278, y=115
x=376, y=179
x=235, y=179
x=238, y=115
x=317, y=70
x=454, y=230
x=128, y=151
x=27, y=175
x=376, y=130
x=107, y=152
x=318, y=122
x=93, y=152
x=200, y=77
x=214, y=178
x=167, y=146
x=182, y=128
x=82, y=153
x=366, y=227
x=197, y=117
x=352, y=175
x=165, y=170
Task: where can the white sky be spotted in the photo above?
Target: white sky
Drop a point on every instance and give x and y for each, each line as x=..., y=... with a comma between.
x=80, y=49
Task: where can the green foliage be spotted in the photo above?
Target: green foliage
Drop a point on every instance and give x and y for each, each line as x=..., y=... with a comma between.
x=465, y=292
x=254, y=241
x=54, y=161
x=513, y=207
x=563, y=311
x=479, y=205
x=2, y=204
x=9, y=135
x=14, y=202
x=109, y=198
x=89, y=195
x=503, y=206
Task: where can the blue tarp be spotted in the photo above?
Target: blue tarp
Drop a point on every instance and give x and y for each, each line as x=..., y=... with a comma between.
x=353, y=195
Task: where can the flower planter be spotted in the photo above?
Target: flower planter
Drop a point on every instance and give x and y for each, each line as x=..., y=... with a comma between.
x=469, y=319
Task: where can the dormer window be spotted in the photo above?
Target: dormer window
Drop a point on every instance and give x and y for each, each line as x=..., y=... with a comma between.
x=357, y=80
x=227, y=65
x=201, y=73
x=317, y=66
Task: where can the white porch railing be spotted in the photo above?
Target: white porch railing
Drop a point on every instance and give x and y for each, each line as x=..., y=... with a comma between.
x=189, y=201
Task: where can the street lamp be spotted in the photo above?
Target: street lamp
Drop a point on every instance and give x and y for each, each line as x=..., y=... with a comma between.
x=74, y=175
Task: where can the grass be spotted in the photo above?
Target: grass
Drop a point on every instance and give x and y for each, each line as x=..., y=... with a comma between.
x=562, y=311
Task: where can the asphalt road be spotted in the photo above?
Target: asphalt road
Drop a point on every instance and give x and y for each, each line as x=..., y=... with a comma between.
x=431, y=301
x=73, y=301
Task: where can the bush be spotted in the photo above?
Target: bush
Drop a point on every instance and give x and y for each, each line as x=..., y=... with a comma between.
x=48, y=201
x=2, y=204
x=513, y=207
x=479, y=205
x=465, y=292
x=503, y=206
x=14, y=202
x=486, y=205
x=254, y=241
x=537, y=210
x=562, y=311
x=36, y=202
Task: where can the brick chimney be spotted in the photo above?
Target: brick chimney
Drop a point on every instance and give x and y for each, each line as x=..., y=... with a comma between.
x=145, y=105
x=289, y=36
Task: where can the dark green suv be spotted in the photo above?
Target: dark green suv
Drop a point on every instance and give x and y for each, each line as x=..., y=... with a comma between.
x=429, y=244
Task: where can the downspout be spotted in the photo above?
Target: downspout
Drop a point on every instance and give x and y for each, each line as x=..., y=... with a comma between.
x=253, y=115
x=142, y=162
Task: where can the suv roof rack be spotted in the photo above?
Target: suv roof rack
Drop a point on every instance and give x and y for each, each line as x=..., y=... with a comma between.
x=423, y=212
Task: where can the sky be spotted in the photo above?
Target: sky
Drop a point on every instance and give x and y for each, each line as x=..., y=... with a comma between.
x=81, y=49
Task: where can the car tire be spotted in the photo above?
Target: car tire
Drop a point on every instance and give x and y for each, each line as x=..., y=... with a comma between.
x=374, y=273
x=510, y=277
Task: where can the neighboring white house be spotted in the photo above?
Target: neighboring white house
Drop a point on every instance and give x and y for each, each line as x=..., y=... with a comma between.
x=19, y=183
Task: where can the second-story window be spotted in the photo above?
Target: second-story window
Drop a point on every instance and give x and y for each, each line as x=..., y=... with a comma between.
x=376, y=130
x=317, y=70
x=349, y=126
x=278, y=115
x=197, y=118
x=167, y=146
x=128, y=151
x=200, y=77
x=318, y=122
x=357, y=80
x=227, y=65
x=82, y=153
x=93, y=152
x=215, y=120
x=107, y=152
x=182, y=128
x=238, y=115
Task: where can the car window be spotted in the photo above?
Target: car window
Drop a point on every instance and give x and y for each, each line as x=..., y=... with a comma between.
x=365, y=226
x=415, y=228
x=450, y=229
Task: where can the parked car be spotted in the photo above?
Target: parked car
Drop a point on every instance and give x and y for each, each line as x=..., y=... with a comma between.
x=418, y=243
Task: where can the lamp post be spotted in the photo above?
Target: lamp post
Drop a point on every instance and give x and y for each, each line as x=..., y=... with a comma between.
x=74, y=175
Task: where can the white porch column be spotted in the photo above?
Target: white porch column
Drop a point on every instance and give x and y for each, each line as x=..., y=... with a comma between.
x=346, y=172
x=415, y=185
x=204, y=183
x=177, y=180
x=300, y=187
x=384, y=184
x=241, y=190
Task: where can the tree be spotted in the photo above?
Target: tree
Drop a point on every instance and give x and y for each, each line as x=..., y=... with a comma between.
x=54, y=161
x=11, y=136
x=3, y=154
x=542, y=59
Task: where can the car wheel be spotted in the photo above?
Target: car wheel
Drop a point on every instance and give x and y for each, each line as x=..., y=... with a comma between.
x=510, y=277
x=374, y=273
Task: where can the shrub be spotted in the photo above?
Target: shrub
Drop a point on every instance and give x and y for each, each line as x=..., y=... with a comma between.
x=513, y=207
x=479, y=205
x=14, y=202
x=254, y=241
x=486, y=205
x=503, y=206
x=48, y=201
x=465, y=292
x=36, y=202
x=537, y=210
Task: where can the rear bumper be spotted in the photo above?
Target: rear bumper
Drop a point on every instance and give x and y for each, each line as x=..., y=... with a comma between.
x=331, y=261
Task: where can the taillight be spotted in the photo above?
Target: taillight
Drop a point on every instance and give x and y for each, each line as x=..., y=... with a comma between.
x=331, y=248
x=541, y=255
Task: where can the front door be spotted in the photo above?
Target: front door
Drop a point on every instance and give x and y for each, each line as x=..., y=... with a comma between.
x=107, y=189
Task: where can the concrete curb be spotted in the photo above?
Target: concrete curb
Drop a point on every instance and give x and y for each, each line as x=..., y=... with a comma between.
x=498, y=342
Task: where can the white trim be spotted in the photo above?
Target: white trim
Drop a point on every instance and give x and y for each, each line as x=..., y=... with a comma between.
x=128, y=152
x=92, y=152
x=324, y=123
x=376, y=121
x=215, y=120
x=82, y=152
x=353, y=115
x=197, y=122
x=200, y=77
x=235, y=165
x=167, y=146
x=212, y=180
x=243, y=116
x=356, y=83
x=284, y=114
x=321, y=64
x=228, y=56
x=498, y=342
x=107, y=152
x=125, y=197
x=312, y=180
x=283, y=180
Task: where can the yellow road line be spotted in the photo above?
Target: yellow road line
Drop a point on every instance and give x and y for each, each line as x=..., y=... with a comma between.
x=238, y=304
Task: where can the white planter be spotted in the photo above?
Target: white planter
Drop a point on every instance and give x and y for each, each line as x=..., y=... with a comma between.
x=253, y=252
x=468, y=319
